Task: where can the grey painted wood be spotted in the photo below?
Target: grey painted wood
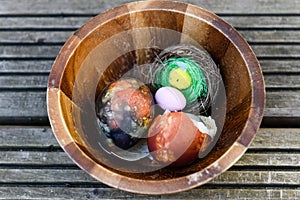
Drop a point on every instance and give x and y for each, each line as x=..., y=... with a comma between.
x=96, y=6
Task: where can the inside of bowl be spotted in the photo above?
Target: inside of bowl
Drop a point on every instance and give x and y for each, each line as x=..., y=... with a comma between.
x=133, y=39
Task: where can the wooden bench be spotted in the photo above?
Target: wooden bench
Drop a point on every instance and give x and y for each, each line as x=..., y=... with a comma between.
x=32, y=165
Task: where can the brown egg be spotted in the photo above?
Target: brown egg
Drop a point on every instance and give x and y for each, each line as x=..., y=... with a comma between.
x=174, y=140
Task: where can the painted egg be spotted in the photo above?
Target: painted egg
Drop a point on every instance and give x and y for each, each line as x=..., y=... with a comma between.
x=170, y=98
x=180, y=79
x=174, y=140
x=124, y=111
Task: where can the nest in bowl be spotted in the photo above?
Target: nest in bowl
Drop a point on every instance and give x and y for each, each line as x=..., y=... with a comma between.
x=108, y=47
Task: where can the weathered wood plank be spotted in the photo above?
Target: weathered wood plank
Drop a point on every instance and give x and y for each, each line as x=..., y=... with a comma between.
x=272, y=81
x=273, y=36
x=34, y=37
x=282, y=81
x=42, y=137
x=38, y=158
x=276, y=51
x=21, y=66
x=203, y=193
x=40, y=66
x=276, y=138
x=288, y=178
x=237, y=193
x=259, y=177
x=280, y=66
x=76, y=22
x=23, y=104
x=23, y=81
x=33, y=104
x=45, y=51
x=283, y=99
x=43, y=22
x=40, y=37
x=24, y=136
x=264, y=21
x=96, y=6
x=25, y=51
x=269, y=159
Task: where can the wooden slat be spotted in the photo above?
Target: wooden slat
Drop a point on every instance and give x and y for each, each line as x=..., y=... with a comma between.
x=288, y=178
x=42, y=137
x=22, y=51
x=38, y=158
x=40, y=66
x=280, y=66
x=272, y=81
x=43, y=22
x=96, y=6
x=276, y=51
x=23, y=104
x=270, y=159
x=24, y=81
x=28, y=137
x=264, y=21
x=34, y=37
x=33, y=104
x=33, y=66
x=273, y=36
x=282, y=81
x=110, y=193
x=276, y=138
x=76, y=22
x=36, y=51
x=40, y=37
x=283, y=99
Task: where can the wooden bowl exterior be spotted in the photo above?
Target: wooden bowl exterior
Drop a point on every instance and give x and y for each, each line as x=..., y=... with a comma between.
x=239, y=67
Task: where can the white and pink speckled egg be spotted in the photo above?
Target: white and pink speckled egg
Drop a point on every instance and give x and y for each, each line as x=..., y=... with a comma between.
x=170, y=98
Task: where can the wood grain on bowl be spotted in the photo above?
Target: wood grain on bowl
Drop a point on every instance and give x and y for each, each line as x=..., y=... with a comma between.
x=93, y=57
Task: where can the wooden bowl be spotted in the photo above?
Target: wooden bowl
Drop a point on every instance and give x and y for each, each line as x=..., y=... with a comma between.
x=107, y=47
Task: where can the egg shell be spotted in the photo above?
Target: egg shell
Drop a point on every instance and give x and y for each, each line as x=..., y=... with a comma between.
x=174, y=140
x=170, y=98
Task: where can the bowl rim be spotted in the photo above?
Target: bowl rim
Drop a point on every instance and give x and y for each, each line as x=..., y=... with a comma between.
x=167, y=186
